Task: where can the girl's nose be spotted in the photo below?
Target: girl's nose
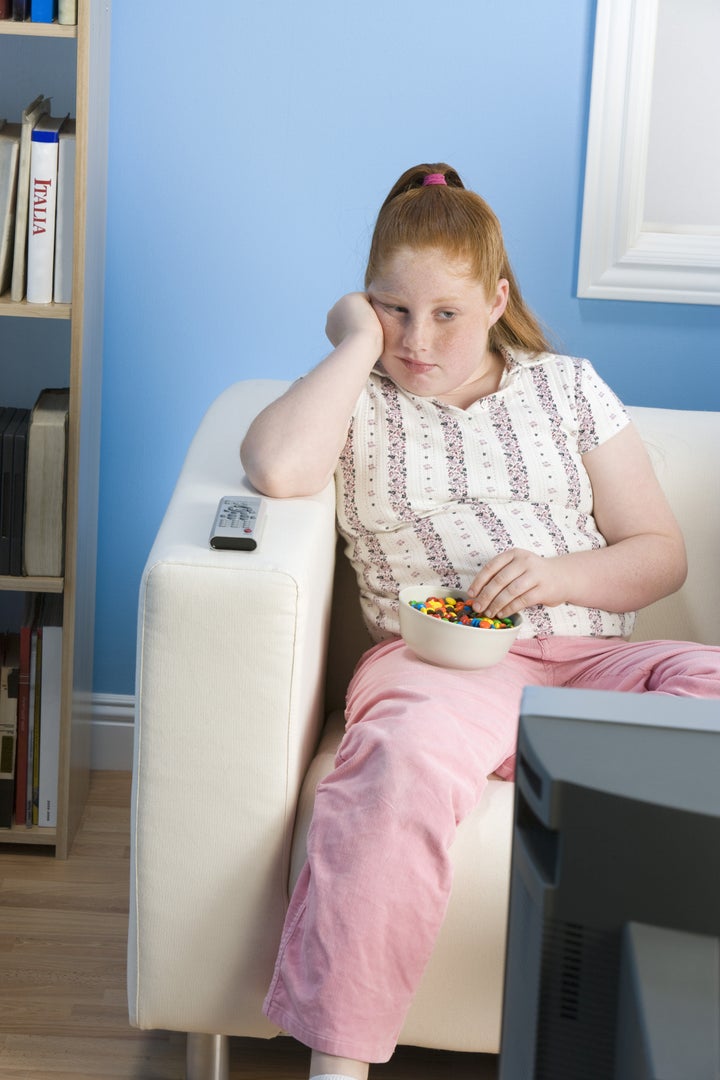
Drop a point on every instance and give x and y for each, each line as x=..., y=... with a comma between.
x=415, y=337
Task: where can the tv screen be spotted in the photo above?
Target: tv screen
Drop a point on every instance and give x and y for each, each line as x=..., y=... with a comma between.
x=613, y=955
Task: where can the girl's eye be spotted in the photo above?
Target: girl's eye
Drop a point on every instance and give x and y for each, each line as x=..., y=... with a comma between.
x=447, y=315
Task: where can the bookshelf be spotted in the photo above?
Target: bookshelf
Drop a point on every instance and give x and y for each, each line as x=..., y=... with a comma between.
x=41, y=342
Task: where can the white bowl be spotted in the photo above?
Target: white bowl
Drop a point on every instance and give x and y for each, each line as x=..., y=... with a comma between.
x=451, y=644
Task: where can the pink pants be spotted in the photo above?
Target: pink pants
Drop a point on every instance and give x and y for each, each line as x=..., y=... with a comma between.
x=420, y=742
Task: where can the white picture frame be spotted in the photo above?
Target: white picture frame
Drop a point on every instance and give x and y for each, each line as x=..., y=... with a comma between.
x=623, y=257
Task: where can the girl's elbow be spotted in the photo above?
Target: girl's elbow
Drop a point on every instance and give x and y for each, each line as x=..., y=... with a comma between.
x=267, y=481
x=677, y=567
x=681, y=567
x=279, y=482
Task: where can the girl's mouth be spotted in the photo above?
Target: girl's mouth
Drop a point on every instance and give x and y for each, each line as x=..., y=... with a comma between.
x=416, y=366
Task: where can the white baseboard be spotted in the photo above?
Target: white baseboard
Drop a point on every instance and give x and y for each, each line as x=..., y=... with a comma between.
x=113, y=719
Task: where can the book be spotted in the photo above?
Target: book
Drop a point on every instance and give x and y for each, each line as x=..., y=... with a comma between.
x=9, y=667
x=67, y=12
x=37, y=108
x=34, y=761
x=12, y=484
x=5, y=9
x=45, y=483
x=9, y=159
x=6, y=481
x=43, y=10
x=20, y=9
x=17, y=492
x=49, y=760
x=23, y=719
x=44, y=142
x=6, y=415
x=65, y=215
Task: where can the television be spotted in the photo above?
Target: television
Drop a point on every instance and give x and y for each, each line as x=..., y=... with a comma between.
x=613, y=953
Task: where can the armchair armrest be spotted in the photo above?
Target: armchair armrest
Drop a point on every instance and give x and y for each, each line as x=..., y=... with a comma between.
x=228, y=711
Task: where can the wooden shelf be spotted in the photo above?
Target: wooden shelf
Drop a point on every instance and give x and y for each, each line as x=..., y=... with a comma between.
x=84, y=74
x=20, y=834
x=20, y=583
x=23, y=310
x=31, y=29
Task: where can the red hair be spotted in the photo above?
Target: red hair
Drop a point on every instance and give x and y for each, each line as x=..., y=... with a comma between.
x=458, y=222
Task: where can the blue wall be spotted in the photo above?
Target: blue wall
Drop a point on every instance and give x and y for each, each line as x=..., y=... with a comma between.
x=249, y=153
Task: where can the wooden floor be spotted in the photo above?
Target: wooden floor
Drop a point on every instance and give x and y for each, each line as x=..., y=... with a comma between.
x=63, y=1011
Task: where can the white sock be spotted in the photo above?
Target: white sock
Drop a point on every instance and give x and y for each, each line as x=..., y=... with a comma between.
x=330, y=1076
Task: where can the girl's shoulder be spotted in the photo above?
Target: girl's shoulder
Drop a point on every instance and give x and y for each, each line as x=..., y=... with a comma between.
x=561, y=361
x=575, y=371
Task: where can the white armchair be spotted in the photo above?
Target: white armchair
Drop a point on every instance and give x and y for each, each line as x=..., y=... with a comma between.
x=243, y=658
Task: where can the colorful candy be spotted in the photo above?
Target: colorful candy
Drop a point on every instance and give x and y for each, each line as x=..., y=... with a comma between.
x=448, y=609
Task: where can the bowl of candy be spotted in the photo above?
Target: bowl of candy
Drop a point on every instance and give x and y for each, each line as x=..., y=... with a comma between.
x=441, y=627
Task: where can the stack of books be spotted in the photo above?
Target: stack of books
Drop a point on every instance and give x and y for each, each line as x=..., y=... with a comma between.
x=33, y=471
x=30, y=707
x=65, y=11
x=37, y=199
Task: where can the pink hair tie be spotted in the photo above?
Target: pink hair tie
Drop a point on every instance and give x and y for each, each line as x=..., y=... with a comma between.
x=434, y=178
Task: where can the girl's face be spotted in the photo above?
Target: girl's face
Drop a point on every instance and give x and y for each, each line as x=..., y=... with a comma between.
x=435, y=319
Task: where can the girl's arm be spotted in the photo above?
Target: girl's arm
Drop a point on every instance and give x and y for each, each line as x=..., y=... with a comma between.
x=644, y=560
x=292, y=447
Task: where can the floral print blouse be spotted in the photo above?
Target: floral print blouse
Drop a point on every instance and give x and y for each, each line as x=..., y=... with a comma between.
x=428, y=492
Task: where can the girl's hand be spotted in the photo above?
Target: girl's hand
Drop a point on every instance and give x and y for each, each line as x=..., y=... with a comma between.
x=514, y=580
x=353, y=314
x=643, y=561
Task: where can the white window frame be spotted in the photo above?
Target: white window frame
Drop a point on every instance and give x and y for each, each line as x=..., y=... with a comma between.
x=621, y=258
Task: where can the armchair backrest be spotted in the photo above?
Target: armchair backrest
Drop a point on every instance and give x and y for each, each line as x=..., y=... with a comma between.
x=684, y=447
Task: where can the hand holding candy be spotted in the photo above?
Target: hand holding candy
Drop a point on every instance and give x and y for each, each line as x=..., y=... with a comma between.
x=517, y=579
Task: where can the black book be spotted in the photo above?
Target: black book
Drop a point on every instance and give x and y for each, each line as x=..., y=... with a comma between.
x=17, y=522
x=8, y=422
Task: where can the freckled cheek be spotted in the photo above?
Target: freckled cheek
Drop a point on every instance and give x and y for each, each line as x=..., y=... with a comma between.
x=450, y=343
x=389, y=327
x=464, y=345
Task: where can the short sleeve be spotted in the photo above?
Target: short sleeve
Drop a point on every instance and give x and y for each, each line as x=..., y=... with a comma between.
x=600, y=412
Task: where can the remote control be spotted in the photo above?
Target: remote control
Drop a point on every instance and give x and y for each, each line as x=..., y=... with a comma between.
x=237, y=523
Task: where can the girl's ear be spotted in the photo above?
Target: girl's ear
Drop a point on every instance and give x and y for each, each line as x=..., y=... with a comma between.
x=500, y=300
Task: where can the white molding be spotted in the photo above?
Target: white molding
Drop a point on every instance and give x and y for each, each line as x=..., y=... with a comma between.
x=621, y=256
x=112, y=728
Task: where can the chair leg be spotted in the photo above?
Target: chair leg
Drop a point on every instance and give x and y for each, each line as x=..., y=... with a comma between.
x=207, y=1057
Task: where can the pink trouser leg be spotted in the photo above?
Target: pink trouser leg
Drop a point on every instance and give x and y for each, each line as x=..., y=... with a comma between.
x=419, y=745
x=367, y=909
x=680, y=668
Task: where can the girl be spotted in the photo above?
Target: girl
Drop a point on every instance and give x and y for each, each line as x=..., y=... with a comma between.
x=464, y=452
